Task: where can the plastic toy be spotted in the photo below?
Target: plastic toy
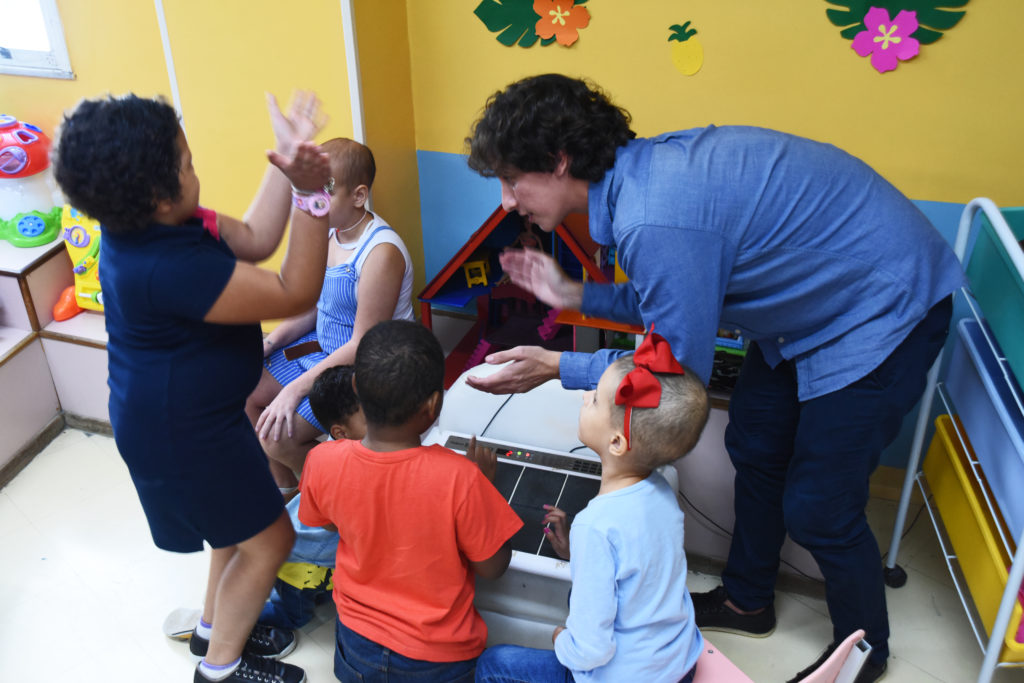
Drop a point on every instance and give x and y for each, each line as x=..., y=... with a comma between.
x=32, y=228
x=26, y=189
x=82, y=239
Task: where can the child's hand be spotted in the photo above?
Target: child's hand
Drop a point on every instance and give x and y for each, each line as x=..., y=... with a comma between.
x=303, y=122
x=556, y=529
x=485, y=458
x=308, y=170
x=279, y=416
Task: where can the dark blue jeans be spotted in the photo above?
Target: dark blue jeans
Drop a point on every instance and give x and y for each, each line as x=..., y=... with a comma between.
x=515, y=664
x=290, y=607
x=358, y=660
x=802, y=467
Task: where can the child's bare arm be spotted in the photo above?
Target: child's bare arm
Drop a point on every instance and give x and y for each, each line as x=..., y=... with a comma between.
x=253, y=294
x=258, y=234
x=494, y=566
x=556, y=529
x=288, y=331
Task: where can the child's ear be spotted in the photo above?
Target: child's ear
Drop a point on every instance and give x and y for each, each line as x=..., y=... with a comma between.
x=617, y=444
x=433, y=405
x=360, y=195
x=338, y=432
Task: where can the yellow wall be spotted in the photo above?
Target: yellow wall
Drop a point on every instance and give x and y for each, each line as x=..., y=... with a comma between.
x=226, y=55
x=382, y=36
x=945, y=126
x=114, y=46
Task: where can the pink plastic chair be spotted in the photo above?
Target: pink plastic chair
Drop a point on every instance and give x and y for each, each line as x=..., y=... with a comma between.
x=842, y=666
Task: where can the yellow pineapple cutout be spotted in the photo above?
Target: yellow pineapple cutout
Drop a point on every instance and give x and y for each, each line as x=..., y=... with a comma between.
x=687, y=52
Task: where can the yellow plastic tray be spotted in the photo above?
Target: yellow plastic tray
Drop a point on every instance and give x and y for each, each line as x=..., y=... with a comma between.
x=972, y=531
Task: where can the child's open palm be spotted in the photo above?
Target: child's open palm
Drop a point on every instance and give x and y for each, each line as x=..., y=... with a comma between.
x=303, y=122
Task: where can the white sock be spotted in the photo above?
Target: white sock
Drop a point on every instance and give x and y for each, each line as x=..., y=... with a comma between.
x=214, y=672
x=203, y=629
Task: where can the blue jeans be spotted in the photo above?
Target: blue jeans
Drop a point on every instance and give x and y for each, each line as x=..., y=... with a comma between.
x=290, y=607
x=802, y=467
x=358, y=659
x=515, y=664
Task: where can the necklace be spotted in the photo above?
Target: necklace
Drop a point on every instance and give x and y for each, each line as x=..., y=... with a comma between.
x=355, y=225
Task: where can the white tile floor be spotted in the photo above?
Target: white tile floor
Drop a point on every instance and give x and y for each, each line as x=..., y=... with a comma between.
x=84, y=591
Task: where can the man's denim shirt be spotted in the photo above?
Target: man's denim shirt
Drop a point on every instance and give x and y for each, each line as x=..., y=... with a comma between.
x=793, y=243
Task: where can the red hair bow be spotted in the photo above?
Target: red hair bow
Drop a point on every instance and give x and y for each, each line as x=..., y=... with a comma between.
x=640, y=388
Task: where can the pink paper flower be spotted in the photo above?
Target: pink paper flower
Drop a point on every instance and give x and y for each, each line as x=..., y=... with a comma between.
x=887, y=40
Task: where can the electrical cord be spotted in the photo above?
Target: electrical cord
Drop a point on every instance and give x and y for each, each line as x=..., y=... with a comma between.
x=722, y=531
x=487, y=426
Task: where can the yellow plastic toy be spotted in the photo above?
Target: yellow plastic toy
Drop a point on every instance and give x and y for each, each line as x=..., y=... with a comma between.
x=82, y=239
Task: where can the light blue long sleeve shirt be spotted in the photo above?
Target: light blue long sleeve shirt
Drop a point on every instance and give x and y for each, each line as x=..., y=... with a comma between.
x=793, y=243
x=630, y=615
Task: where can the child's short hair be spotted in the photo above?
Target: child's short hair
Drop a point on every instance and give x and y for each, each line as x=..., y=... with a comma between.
x=116, y=157
x=399, y=364
x=663, y=434
x=332, y=398
x=352, y=163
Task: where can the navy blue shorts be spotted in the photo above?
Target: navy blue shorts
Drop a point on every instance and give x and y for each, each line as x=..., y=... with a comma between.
x=216, y=489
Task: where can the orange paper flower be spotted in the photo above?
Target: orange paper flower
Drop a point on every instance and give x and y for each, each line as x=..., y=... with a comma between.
x=561, y=19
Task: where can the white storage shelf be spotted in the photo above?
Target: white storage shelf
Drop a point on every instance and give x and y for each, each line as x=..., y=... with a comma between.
x=1006, y=406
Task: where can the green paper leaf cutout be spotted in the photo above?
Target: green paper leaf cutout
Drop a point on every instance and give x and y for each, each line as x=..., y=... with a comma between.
x=933, y=16
x=513, y=20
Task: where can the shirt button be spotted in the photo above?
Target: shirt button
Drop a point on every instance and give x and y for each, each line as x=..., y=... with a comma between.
x=782, y=340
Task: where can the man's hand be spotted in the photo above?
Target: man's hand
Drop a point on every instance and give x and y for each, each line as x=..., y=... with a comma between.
x=556, y=529
x=538, y=273
x=531, y=366
x=485, y=458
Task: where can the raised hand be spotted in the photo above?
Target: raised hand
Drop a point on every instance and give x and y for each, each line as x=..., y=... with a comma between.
x=538, y=273
x=556, y=529
x=303, y=122
x=308, y=170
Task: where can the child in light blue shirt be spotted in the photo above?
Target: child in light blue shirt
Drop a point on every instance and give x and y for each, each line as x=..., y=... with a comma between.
x=630, y=614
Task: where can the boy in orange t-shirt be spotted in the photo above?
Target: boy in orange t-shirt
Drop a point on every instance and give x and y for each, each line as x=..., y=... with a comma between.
x=416, y=523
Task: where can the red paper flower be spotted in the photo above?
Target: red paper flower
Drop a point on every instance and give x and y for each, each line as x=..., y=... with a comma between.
x=887, y=40
x=561, y=19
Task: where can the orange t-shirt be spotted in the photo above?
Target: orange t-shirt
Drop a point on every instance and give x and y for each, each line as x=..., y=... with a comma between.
x=410, y=522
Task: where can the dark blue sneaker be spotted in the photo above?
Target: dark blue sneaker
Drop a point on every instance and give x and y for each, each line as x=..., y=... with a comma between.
x=258, y=670
x=264, y=641
x=712, y=614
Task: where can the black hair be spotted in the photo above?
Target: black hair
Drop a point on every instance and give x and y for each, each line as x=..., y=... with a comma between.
x=332, y=397
x=525, y=126
x=116, y=157
x=399, y=365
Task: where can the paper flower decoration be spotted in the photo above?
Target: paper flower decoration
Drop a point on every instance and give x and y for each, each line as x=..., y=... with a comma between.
x=518, y=22
x=561, y=19
x=887, y=40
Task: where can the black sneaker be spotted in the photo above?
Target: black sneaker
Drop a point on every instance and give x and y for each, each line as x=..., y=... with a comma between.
x=869, y=673
x=258, y=670
x=712, y=614
x=264, y=641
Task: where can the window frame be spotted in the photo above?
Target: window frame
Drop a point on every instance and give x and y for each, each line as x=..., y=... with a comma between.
x=52, y=63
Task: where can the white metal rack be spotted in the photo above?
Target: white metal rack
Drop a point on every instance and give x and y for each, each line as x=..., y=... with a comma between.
x=992, y=643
